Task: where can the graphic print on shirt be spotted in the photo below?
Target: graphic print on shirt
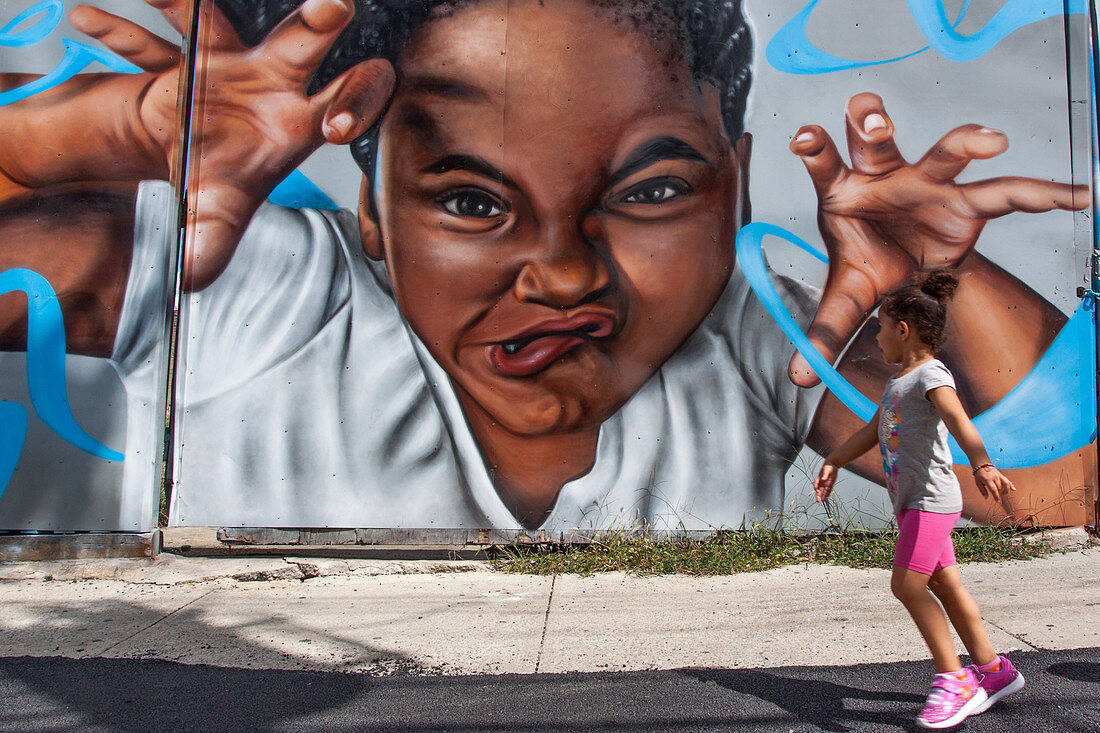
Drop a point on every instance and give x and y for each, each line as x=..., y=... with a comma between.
x=888, y=440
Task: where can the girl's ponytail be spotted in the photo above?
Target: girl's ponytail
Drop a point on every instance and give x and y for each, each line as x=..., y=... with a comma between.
x=940, y=284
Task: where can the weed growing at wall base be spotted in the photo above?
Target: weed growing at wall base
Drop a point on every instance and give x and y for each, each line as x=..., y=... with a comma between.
x=727, y=552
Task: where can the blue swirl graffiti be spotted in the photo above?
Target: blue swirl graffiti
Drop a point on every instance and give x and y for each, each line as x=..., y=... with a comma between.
x=45, y=376
x=77, y=56
x=13, y=434
x=791, y=51
x=1056, y=399
x=51, y=9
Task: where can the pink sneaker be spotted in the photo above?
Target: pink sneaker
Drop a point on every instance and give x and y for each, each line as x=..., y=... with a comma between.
x=998, y=684
x=951, y=699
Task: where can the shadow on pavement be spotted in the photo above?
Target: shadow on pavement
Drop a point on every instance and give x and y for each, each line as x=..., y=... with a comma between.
x=391, y=692
x=1080, y=671
x=817, y=701
x=61, y=694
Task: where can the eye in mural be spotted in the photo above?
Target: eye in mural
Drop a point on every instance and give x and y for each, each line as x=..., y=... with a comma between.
x=537, y=298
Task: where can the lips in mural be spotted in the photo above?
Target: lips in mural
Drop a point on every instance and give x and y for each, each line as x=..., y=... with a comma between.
x=536, y=348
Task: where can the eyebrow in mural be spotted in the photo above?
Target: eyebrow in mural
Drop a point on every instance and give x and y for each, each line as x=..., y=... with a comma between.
x=663, y=148
x=442, y=86
x=471, y=163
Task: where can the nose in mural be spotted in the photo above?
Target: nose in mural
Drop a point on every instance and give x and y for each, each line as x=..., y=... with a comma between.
x=569, y=274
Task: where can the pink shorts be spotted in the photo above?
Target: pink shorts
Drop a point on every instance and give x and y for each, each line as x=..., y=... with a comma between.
x=924, y=541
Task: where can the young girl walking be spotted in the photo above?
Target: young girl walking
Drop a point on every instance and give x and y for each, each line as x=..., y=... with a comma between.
x=918, y=408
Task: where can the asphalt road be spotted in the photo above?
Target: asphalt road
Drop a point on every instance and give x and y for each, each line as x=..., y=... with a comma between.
x=98, y=694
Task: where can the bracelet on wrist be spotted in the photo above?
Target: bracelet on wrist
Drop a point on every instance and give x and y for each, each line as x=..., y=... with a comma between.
x=984, y=465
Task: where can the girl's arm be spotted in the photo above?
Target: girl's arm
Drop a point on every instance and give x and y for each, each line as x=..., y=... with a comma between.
x=861, y=441
x=990, y=481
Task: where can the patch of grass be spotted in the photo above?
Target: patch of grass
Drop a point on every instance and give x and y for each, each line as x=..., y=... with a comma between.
x=728, y=552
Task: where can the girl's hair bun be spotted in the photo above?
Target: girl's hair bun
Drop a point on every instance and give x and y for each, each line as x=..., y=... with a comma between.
x=923, y=304
x=940, y=284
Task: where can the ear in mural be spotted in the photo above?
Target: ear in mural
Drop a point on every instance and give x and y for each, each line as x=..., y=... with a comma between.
x=535, y=299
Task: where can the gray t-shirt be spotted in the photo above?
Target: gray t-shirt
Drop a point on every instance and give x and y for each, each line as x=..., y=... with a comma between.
x=305, y=400
x=913, y=439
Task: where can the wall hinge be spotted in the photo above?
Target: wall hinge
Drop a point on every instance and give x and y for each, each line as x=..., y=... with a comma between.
x=1083, y=292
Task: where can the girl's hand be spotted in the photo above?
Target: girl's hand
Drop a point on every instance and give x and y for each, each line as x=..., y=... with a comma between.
x=992, y=483
x=253, y=121
x=883, y=218
x=823, y=484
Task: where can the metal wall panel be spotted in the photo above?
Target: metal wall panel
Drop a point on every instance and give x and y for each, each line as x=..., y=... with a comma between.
x=81, y=435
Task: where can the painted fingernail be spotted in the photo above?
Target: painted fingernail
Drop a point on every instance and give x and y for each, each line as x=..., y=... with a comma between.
x=873, y=121
x=804, y=137
x=341, y=123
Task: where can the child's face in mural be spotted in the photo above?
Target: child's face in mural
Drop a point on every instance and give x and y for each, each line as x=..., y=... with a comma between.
x=557, y=203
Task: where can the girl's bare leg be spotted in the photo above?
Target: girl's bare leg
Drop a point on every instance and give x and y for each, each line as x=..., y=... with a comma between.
x=911, y=588
x=964, y=614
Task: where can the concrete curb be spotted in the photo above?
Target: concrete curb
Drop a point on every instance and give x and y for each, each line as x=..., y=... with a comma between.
x=168, y=569
x=1063, y=540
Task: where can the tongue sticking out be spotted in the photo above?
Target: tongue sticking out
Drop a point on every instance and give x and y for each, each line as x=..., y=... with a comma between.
x=521, y=359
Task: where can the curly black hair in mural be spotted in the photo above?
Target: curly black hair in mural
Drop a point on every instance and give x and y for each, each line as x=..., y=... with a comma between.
x=711, y=34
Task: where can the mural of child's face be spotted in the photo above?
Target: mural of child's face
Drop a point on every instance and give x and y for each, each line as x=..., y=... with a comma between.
x=557, y=201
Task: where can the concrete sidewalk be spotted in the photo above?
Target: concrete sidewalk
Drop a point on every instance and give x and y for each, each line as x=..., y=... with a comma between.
x=438, y=617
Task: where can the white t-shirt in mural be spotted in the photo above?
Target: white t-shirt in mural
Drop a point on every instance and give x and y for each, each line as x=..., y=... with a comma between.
x=306, y=400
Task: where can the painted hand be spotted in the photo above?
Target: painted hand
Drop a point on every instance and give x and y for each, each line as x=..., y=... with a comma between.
x=254, y=122
x=883, y=218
